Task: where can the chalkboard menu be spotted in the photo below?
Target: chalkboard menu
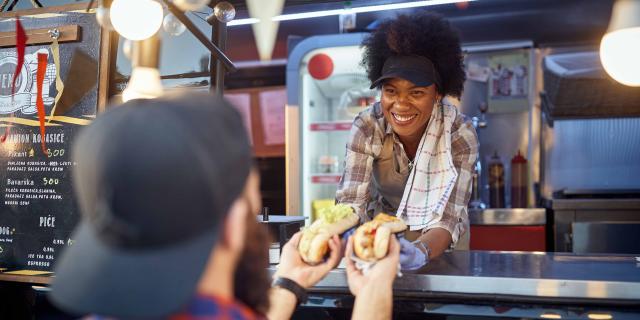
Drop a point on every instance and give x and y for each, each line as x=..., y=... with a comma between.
x=38, y=210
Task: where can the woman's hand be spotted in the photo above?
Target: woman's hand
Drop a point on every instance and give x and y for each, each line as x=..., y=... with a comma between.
x=292, y=267
x=382, y=274
x=411, y=257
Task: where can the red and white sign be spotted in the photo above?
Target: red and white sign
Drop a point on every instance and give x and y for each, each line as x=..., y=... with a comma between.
x=330, y=126
x=326, y=179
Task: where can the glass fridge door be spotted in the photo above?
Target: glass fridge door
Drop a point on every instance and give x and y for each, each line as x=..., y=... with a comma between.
x=334, y=90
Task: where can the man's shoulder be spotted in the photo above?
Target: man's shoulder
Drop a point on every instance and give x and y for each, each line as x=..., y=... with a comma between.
x=212, y=307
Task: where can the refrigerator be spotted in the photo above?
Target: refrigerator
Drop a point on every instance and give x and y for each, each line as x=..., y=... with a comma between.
x=326, y=88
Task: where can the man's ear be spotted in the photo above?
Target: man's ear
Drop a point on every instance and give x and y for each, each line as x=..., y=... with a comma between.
x=235, y=225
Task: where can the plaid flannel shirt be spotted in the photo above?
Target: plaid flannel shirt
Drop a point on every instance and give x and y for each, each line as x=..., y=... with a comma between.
x=206, y=308
x=368, y=133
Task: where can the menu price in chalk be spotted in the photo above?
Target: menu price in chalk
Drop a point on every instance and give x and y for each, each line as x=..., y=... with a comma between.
x=38, y=211
x=22, y=191
x=38, y=207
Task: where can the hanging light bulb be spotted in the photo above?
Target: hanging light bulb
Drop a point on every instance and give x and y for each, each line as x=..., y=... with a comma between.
x=136, y=19
x=620, y=47
x=145, y=77
x=191, y=5
x=172, y=25
x=144, y=84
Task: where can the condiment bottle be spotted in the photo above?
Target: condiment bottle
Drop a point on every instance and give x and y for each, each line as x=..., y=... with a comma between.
x=519, y=181
x=496, y=182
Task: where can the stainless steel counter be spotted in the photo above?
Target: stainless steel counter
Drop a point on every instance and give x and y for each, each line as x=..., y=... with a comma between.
x=533, y=275
x=508, y=217
x=596, y=204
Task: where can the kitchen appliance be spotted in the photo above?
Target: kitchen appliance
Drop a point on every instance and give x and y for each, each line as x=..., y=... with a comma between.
x=589, y=156
x=596, y=220
x=576, y=86
x=326, y=88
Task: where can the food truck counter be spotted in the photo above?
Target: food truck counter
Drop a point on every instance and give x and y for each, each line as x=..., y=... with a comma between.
x=519, y=284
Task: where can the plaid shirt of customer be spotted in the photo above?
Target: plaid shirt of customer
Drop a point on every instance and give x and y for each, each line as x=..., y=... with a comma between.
x=368, y=133
x=206, y=308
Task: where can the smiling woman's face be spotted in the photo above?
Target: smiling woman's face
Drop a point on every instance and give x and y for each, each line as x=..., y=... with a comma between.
x=407, y=108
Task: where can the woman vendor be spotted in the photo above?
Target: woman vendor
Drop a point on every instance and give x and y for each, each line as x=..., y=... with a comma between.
x=412, y=153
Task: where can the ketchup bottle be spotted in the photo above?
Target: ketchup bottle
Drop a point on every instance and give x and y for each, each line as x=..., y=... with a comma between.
x=519, y=181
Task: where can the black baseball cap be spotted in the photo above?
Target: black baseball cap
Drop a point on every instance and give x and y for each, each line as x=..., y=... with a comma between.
x=417, y=69
x=154, y=180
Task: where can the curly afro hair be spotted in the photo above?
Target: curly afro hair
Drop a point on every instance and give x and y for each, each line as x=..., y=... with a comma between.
x=425, y=34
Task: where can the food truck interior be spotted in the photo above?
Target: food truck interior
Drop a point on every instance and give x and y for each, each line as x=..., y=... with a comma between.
x=555, y=208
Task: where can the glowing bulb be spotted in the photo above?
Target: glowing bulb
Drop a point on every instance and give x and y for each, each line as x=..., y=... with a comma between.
x=144, y=84
x=136, y=19
x=191, y=5
x=619, y=52
x=172, y=25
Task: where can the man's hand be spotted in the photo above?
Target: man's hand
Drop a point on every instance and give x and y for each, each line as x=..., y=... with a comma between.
x=382, y=274
x=292, y=267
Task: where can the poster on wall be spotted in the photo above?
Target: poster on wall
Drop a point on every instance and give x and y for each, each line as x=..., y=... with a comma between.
x=38, y=211
x=272, y=104
x=242, y=103
x=509, y=82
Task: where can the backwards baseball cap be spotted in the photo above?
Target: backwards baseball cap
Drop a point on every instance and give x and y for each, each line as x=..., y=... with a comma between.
x=417, y=69
x=154, y=180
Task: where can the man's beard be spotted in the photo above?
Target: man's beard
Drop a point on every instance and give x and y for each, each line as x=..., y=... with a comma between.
x=251, y=279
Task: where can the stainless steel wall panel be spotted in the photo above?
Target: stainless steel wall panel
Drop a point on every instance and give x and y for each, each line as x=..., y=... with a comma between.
x=593, y=154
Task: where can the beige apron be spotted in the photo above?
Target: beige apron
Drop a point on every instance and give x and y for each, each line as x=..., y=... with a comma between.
x=387, y=186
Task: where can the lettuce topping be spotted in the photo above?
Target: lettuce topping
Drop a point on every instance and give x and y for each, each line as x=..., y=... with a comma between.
x=334, y=213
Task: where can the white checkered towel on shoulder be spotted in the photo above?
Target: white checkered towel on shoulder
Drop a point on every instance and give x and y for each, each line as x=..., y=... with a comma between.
x=433, y=176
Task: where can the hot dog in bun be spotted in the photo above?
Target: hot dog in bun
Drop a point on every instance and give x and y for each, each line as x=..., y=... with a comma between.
x=331, y=221
x=371, y=239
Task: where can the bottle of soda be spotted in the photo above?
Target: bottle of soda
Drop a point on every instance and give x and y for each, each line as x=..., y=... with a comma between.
x=519, y=181
x=496, y=182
